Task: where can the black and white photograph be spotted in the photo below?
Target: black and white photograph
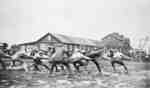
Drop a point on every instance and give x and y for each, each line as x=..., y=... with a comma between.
x=74, y=43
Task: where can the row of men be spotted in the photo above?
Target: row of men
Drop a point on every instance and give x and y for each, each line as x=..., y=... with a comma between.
x=53, y=52
x=59, y=55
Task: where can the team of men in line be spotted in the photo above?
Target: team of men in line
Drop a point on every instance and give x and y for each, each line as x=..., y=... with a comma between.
x=58, y=57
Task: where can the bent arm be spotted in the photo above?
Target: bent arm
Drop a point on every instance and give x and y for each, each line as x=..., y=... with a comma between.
x=85, y=57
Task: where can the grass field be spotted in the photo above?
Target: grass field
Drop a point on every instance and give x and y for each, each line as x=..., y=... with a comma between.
x=138, y=77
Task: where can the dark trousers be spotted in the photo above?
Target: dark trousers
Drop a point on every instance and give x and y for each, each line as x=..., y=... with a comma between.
x=37, y=64
x=118, y=62
x=65, y=63
x=79, y=63
x=97, y=65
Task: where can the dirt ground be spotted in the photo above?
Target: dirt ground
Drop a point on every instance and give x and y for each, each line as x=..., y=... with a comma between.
x=138, y=77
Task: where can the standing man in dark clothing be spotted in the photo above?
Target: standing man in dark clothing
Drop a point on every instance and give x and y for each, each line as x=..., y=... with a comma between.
x=111, y=55
x=3, y=48
x=2, y=55
x=58, y=58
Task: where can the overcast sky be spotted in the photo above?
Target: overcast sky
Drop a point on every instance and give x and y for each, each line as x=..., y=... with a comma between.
x=28, y=20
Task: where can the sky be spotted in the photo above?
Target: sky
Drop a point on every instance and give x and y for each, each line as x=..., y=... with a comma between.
x=27, y=20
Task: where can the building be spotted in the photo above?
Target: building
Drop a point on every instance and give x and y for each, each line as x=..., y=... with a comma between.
x=69, y=42
x=117, y=41
x=145, y=44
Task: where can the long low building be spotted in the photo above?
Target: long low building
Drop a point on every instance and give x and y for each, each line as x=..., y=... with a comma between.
x=69, y=42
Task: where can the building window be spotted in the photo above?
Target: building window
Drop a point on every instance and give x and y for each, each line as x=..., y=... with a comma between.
x=49, y=38
x=66, y=47
x=73, y=47
x=43, y=46
x=69, y=47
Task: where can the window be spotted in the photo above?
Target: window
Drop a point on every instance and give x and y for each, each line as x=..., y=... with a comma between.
x=43, y=46
x=49, y=38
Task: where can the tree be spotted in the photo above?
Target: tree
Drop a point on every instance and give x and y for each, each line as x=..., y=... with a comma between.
x=115, y=40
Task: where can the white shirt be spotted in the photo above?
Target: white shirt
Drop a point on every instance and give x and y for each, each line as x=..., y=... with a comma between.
x=106, y=57
x=78, y=56
x=118, y=55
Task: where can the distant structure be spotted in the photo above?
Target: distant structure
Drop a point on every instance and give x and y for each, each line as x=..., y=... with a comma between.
x=70, y=43
x=116, y=41
x=144, y=44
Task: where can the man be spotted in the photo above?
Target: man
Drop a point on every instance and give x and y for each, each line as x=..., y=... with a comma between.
x=80, y=59
x=51, y=51
x=116, y=58
x=58, y=58
x=3, y=48
x=37, y=61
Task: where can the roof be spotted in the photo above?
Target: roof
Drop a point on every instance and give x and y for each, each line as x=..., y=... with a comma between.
x=76, y=40
x=68, y=40
x=27, y=43
x=111, y=43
